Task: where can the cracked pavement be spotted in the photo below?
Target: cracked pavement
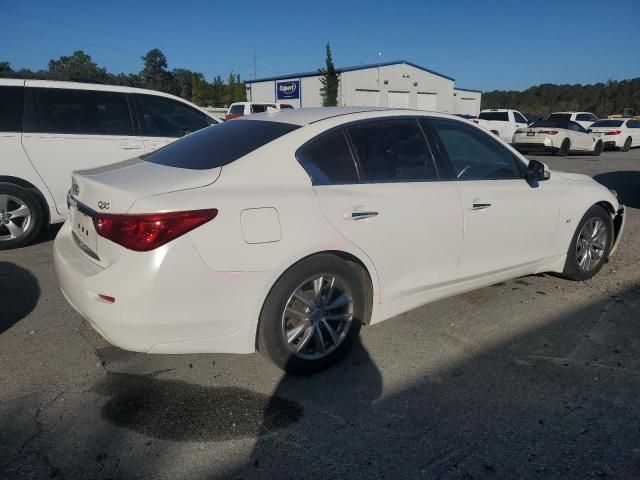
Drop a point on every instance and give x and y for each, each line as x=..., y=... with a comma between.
x=537, y=377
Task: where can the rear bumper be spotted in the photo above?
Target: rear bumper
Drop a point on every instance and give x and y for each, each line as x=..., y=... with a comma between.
x=167, y=300
x=534, y=147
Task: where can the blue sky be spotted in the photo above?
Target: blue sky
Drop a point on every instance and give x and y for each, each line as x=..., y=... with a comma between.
x=482, y=44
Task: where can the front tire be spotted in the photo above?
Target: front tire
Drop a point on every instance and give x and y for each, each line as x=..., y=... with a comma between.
x=312, y=314
x=590, y=245
x=565, y=148
x=597, y=150
x=21, y=217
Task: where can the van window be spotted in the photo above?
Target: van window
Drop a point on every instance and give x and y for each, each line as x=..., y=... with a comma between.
x=65, y=110
x=220, y=145
x=494, y=116
x=11, y=108
x=164, y=117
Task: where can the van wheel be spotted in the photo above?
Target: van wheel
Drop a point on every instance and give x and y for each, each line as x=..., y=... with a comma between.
x=590, y=245
x=20, y=216
x=312, y=315
x=564, y=149
x=627, y=145
x=597, y=150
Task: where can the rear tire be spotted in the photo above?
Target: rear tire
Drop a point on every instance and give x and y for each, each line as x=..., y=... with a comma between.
x=564, y=149
x=21, y=216
x=589, y=249
x=627, y=145
x=597, y=150
x=312, y=314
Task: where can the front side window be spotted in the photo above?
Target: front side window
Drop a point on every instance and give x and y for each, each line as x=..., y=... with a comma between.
x=392, y=150
x=519, y=118
x=219, y=145
x=328, y=160
x=11, y=108
x=473, y=154
x=576, y=127
x=165, y=117
x=70, y=111
x=494, y=116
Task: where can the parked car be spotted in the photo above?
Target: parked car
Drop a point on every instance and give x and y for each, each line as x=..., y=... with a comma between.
x=501, y=122
x=585, y=119
x=560, y=137
x=285, y=232
x=240, y=109
x=48, y=129
x=621, y=134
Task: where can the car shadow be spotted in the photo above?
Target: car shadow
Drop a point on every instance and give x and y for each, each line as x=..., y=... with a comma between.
x=625, y=183
x=19, y=294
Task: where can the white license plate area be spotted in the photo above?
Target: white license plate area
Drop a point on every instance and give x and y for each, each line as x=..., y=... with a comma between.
x=82, y=226
x=530, y=134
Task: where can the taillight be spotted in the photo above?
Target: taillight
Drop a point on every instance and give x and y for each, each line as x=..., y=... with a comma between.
x=548, y=132
x=613, y=132
x=521, y=131
x=147, y=231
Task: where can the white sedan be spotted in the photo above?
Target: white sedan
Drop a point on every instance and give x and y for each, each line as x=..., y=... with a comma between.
x=286, y=232
x=619, y=133
x=560, y=137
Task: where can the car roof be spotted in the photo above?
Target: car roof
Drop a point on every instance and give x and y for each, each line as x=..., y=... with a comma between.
x=308, y=115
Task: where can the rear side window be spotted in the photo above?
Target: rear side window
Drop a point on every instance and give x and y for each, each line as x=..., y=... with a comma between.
x=11, y=108
x=392, y=150
x=237, y=109
x=62, y=110
x=519, y=118
x=473, y=154
x=494, y=116
x=164, y=117
x=219, y=145
x=328, y=160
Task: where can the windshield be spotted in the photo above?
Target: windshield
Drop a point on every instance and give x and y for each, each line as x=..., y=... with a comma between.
x=495, y=116
x=608, y=123
x=219, y=145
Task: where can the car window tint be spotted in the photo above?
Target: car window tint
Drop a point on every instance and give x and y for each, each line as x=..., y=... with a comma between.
x=519, y=118
x=219, y=145
x=585, y=117
x=258, y=108
x=328, y=160
x=607, y=123
x=237, y=109
x=11, y=108
x=559, y=116
x=576, y=127
x=62, y=110
x=164, y=117
x=473, y=154
x=392, y=150
x=494, y=116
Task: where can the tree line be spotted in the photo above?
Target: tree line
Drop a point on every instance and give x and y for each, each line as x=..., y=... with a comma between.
x=155, y=75
x=602, y=99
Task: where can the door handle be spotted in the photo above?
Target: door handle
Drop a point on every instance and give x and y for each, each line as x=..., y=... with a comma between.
x=360, y=214
x=478, y=204
x=130, y=146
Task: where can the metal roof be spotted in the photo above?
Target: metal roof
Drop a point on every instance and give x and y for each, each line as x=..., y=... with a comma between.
x=315, y=73
x=467, y=90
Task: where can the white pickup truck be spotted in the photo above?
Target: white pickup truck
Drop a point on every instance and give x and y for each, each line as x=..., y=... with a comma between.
x=502, y=122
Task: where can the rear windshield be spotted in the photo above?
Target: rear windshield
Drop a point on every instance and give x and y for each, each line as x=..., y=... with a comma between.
x=551, y=123
x=608, y=123
x=495, y=116
x=559, y=116
x=220, y=144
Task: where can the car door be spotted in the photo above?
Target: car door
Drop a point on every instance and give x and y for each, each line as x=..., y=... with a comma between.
x=508, y=223
x=164, y=120
x=389, y=200
x=634, y=130
x=70, y=129
x=580, y=139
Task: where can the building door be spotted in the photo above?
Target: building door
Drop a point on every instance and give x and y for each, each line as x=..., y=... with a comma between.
x=367, y=98
x=427, y=101
x=468, y=106
x=398, y=100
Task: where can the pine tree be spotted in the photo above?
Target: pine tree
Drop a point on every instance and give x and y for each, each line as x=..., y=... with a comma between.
x=330, y=81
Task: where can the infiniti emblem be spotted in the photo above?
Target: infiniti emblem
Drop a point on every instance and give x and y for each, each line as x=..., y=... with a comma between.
x=103, y=205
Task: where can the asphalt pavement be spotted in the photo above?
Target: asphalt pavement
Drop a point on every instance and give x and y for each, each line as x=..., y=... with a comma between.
x=537, y=377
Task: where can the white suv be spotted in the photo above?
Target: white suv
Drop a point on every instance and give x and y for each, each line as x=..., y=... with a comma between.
x=586, y=119
x=502, y=122
x=49, y=129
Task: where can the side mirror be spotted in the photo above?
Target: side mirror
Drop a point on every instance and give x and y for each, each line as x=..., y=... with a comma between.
x=537, y=171
x=589, y=130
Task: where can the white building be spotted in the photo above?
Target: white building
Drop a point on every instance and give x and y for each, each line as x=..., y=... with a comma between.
x=399, y=84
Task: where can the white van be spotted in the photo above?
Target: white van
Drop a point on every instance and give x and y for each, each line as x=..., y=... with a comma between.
x=49, y=129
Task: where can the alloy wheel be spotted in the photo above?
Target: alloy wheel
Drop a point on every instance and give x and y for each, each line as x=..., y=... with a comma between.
x=15, y=217
x=317, y=317
x=591, y=244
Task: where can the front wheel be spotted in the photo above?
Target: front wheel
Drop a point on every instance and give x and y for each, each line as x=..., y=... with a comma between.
x=597, y=150
x=20, y=216
x=590, y=245
x=312, y=314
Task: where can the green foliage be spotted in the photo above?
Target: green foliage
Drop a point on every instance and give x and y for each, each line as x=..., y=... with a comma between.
x=600, y=98
x=330, y=81
x=155, y=75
